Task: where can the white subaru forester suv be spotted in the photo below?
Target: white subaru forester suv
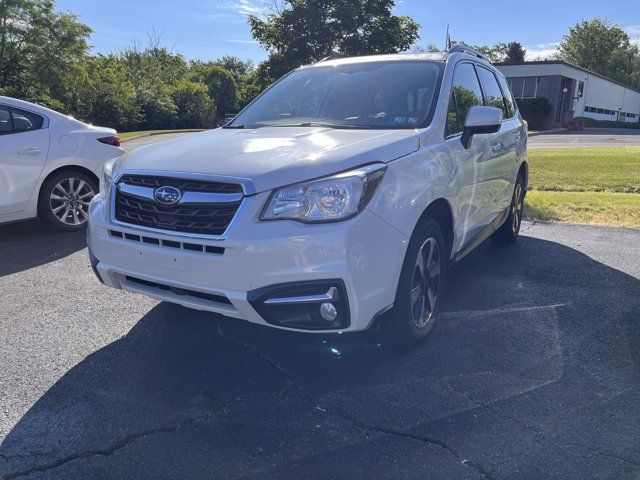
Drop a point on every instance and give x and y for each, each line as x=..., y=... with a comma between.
x=336, y=200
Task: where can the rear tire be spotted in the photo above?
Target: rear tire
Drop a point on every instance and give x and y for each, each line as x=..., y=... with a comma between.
x=64, y=200
x=508, y=232
x=420, y=287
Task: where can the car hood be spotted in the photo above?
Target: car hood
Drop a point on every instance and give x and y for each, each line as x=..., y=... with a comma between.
x=272, y=156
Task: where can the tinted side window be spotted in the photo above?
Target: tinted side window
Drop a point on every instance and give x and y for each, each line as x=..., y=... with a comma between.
x=5, y=121
x=25, y=121
x=466, y=93
x=508, y=97
x=492, y=92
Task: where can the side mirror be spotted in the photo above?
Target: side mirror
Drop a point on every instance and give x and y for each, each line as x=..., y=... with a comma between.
x=480, y=119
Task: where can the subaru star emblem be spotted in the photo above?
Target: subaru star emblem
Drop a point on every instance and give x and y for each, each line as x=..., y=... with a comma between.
x=167, y=195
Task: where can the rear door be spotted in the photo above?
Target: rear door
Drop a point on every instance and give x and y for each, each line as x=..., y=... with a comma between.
x=500, y=158
x=24, y=146
x=474, y=193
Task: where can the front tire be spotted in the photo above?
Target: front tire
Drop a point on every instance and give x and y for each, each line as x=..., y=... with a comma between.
x=64, y=200
x=420, y=286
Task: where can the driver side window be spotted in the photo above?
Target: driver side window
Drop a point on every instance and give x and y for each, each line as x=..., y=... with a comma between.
x=465, y=93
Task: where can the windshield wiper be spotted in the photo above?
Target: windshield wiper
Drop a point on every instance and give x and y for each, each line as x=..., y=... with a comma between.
x=235, y=126
x=329, y=125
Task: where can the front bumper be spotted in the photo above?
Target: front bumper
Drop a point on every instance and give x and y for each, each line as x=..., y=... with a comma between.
x=364, y=255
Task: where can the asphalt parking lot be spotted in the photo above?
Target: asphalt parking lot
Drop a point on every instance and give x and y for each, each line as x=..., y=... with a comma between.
x=591, y=137
x=531, y=372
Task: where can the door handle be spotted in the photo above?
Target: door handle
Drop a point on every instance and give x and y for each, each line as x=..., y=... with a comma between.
x=30, y=151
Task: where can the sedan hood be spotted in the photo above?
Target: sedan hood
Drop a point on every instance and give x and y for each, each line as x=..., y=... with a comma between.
x=271, y=157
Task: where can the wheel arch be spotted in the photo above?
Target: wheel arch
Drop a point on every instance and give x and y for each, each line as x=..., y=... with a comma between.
x=524, y=171
x=440, y=210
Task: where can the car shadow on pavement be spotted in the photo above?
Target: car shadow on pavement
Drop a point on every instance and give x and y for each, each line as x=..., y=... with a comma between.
x=27, y=245
x=531, y=372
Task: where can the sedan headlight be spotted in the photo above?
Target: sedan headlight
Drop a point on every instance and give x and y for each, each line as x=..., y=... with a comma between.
x=107, y=173
x=329, y=199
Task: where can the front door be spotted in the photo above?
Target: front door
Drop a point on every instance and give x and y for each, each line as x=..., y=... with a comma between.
x=474, y=191
x=24, y=145
x=500, y=158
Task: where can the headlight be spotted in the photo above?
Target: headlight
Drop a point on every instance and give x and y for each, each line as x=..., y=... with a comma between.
x=329, y=199
x=107, y=172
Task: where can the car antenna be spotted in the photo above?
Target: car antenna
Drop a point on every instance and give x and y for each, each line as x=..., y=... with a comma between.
x=447, y=40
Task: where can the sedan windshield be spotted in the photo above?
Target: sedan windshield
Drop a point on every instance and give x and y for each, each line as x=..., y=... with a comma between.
x=391, y=94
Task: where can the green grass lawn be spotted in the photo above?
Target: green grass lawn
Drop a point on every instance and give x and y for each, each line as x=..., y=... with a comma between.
x=598, y=208
x=585, y=169
x=144, y=133
x=594, y=185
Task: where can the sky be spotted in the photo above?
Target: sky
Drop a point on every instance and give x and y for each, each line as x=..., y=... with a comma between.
x=208, y=29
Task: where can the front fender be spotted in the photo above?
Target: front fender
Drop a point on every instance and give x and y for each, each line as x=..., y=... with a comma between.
x=411, y=184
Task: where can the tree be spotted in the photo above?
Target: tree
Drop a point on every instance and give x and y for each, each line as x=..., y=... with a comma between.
x=154, y=71
x=195, y=107
x=603, y=47
x=237, y=67
x=497, y=53
x=37, y=46
x=220, y=83
x=100, y=92
x=304, y=31
x=430, y=48
x=515, y=53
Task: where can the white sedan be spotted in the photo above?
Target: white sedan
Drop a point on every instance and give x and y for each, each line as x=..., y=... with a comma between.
x=50, y=164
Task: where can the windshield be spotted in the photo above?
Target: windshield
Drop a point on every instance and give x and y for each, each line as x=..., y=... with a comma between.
x=393, y=94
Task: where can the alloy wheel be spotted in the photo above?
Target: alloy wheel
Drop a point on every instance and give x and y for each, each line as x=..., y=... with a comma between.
x=69, y=200
x=516, y=208
x=426, y=283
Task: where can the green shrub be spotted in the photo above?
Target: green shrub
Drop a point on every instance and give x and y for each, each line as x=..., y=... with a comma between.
x=535, y=111
x=195, y=107
x=592, y=122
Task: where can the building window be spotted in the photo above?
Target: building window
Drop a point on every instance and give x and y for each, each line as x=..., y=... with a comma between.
x=580, y=89
x=606, y=111
x=524, y=87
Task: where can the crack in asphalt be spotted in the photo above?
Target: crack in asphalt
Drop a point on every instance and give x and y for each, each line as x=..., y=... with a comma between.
x=113, y=448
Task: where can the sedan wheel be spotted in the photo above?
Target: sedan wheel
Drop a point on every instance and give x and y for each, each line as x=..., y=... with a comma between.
x=70, y=199
x=64, y=200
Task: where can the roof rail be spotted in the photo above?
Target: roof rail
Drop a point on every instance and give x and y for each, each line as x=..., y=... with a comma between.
x=459, y=48
x=333, y=56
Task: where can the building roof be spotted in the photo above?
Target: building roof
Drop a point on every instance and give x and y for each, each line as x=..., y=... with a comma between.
x=568, y=64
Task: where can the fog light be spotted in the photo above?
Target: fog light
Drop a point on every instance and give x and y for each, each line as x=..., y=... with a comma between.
x=328, y=311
